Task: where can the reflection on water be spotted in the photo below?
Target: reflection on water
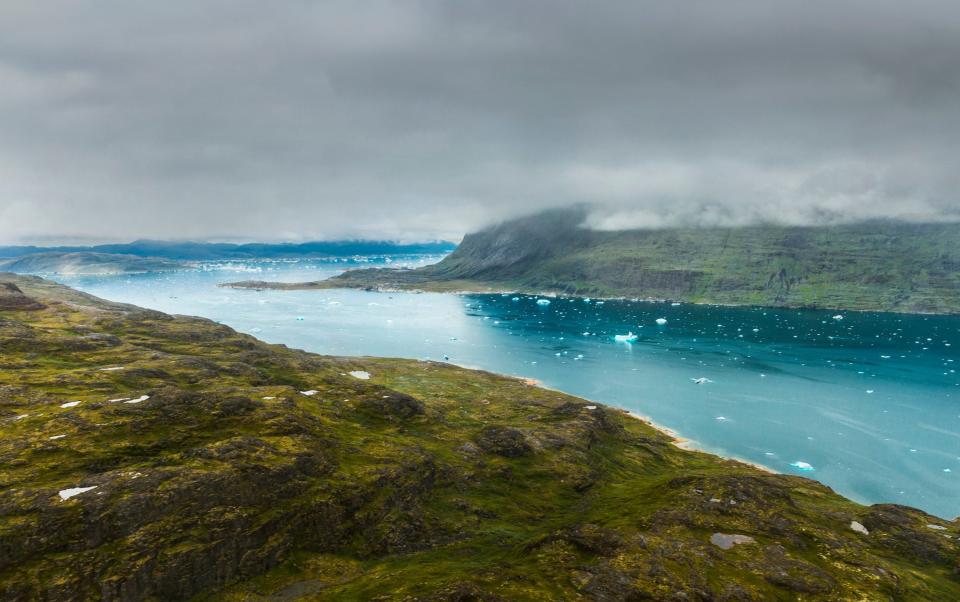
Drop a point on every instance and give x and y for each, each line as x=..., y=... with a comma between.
x=867, y=403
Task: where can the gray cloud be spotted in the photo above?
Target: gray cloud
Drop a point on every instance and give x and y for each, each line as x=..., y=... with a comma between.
x=298, y=120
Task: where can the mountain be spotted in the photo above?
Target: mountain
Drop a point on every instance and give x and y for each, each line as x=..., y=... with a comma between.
x=216, y=251
x=87, y=263
x=153, y=457
x=885, y=266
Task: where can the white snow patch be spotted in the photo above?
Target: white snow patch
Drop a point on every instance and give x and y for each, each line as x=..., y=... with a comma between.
x=57, y=437
x=111, y=369
x=858, y=527
x=138, y=400
x=70, y=404
x=309, y=393
x=361, y=374
x=66, y=494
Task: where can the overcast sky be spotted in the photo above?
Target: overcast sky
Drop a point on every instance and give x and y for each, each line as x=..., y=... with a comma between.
x=292, y=120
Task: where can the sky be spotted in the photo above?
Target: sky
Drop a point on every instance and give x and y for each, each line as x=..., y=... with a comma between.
x=415, y=120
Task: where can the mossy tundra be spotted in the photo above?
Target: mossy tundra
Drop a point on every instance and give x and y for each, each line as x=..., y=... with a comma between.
x=212, y=466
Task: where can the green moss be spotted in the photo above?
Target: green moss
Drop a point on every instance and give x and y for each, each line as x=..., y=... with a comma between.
x=211, y=490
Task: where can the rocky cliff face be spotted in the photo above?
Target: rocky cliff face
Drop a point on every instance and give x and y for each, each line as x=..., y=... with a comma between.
x=151, y=457
x=513, y=248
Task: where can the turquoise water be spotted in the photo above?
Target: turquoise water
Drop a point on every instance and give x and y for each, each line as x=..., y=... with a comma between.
x=868, y=404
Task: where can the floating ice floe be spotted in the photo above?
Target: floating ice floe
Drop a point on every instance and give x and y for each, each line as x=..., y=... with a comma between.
x=701, y=381
x=70, y=404
x=838, y=317
x=361, y=374
x=801, y=465
x=543, y=302
x=138, y=400
x=515, y=299
x=661, y=321
x=625, y=338
x=309, y=393
x=66, y=494
x=854, y=525
x=721, y=418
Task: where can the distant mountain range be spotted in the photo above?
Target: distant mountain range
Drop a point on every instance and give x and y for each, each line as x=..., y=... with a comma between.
x=214, y=251
x=885, y=266
x=87, y=264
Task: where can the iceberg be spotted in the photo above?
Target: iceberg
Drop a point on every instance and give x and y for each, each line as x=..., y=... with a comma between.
x=838, y=317
x=625, y=338
x=543, y=302
x=701, y=381
x=661, y=321
x=801, y=465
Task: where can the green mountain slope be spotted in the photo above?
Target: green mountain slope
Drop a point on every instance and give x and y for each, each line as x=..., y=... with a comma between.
x=882, y=266
x=151, y=457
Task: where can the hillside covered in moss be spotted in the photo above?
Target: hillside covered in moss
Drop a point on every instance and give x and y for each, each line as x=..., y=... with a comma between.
x=883, y=266
x=150, y=457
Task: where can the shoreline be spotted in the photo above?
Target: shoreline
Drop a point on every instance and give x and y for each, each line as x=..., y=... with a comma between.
x=319, y=285
x=676, y=438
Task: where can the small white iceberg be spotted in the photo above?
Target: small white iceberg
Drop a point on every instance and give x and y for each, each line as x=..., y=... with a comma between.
x=66, y=494
x=801, y=465
x=543, y=302
x=70, y=404
x=625, y=338
x=701, y=381
x=661, y=321
x=361, y=374
x=838, y=317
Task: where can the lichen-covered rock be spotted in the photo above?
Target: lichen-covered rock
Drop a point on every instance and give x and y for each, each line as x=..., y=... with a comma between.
x=504, y=441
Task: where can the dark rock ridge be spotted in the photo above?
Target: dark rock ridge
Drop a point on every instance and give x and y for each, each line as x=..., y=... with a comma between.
x=153, y=457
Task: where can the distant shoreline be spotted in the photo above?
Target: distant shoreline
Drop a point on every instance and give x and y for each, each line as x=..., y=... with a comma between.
x=313, y=285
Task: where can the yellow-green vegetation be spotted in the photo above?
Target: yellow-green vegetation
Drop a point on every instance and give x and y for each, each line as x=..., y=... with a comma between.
x=884, y=266
x=223, y=468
